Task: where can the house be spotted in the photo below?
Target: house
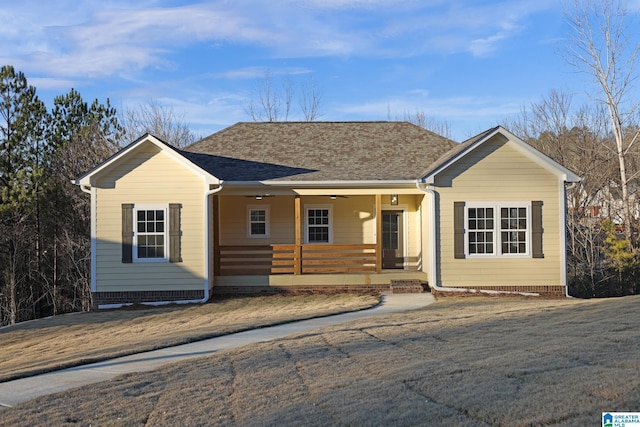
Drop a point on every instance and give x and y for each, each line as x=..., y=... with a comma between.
x=303, y=206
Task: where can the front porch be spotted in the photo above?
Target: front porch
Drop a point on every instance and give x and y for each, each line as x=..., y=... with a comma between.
x=368, y=243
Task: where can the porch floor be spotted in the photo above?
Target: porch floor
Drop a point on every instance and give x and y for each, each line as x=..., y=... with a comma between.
x=339, y=281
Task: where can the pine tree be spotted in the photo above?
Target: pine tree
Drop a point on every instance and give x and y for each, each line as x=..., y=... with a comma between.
x=23, y=119
x=81, y=136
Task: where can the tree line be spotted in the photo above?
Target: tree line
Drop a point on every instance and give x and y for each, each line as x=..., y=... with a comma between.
x=44, y=218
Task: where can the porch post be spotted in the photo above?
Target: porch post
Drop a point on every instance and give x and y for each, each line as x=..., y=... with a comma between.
x=378, y=233
x=297, y=252
x=215, y=226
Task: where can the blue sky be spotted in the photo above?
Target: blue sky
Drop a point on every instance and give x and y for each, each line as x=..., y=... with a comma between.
x=468, y=63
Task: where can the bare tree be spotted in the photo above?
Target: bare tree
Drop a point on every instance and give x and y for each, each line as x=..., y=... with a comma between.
x=599, y=46
x=422, y=119
x=273, y=99
x=270, y=103
x=160, y=121
x=310, y=100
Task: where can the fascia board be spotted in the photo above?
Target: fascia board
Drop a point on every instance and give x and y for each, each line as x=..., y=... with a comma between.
x=324, y=184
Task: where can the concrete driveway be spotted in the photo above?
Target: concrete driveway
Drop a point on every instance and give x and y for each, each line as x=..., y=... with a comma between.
x=22, y=390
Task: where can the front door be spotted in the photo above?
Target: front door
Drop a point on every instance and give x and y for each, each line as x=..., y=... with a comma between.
x=392, y=240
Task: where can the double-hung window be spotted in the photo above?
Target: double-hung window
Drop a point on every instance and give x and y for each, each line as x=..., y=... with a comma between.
x=150, y=233
x=497, y=229
x=258, y=221
x=514, y=229
x=318, y=224
x=481, y=230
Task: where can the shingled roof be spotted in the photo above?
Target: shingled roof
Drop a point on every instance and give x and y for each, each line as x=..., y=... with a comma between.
x=319, y=151
x=456, y=150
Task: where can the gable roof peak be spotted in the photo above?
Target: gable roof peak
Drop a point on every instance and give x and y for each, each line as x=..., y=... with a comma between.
x=472, y=143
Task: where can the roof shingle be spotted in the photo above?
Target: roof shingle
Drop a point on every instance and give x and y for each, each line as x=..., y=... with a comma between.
x=319, y=151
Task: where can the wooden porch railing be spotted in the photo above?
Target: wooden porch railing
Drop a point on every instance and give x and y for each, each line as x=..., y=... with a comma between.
x=283, y=259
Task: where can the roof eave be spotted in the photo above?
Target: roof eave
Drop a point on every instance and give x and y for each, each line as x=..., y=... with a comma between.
x=325, y=184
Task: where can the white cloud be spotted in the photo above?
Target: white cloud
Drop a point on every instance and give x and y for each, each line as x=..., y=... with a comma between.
x=257, y=73
x=94, y=38
x=48, y=83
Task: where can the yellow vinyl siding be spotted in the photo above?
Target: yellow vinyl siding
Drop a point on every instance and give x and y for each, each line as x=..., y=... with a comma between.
x=149, y=176
x=234, y=222
x=352, y=219
x=496, y=172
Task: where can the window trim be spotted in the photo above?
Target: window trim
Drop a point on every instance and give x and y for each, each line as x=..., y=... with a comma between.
x=267, y=221
x=497, y=229
x=165, y=233
x=307, y=208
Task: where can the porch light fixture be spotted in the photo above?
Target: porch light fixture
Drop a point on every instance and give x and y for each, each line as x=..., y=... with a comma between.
x=258, y=197
x=333, y=197
x=394, y=199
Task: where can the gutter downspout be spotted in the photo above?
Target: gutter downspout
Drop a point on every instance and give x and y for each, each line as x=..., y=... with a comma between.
x=434, y=247
x=93, y=227
x=564, y=224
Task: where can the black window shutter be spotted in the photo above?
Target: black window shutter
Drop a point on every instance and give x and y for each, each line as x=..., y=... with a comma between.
x=127, y=233
x=458, y=230
x=536, y=229
x=174, y=233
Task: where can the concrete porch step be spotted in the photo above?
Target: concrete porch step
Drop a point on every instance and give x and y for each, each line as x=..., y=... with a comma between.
x=406, y=286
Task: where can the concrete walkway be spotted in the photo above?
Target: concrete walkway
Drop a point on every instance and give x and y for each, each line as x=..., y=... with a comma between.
x=14, y=392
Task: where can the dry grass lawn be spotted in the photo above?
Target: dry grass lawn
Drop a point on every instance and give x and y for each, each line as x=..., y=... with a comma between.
x=73, y=339
x=462, y=362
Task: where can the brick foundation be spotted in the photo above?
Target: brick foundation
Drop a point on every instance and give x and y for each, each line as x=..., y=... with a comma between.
x=546, y=291
x=138, y=297
x=412, y=286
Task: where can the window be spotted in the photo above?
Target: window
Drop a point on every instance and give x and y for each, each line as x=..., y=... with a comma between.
x=480, y=225
x=318, y=224
x=513, y=230
x=497, y=229
x=150, y=233
x=258, y=221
